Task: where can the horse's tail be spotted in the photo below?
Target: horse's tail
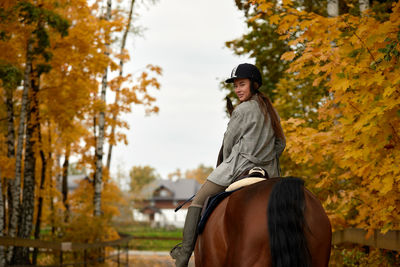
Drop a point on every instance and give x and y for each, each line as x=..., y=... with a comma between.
x=286, y=224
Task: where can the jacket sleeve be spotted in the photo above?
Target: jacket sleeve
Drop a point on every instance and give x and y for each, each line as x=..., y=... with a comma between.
x=234, y=132
x=280, y=145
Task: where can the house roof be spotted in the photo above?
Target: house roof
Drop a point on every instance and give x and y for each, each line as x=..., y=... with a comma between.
x=181, y=189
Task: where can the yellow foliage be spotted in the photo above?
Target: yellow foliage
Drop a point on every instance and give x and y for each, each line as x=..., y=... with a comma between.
x=354, y=149
x=83, y=226
x=200, y=174
x=69, y=104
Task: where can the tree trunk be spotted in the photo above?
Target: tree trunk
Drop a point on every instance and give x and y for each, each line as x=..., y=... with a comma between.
x=53, y=213
x=10, y=152
x=57, y=181
x=64, y=184
x=40, y=201
x=10, y=125
x=333, y=8
x=4, y=219
x=10, y=155
x=121, y=66
x=16, y=185
x=98, y=177
x=28, y=196
x=2, y=215
x=364, y=5
x=59, y=174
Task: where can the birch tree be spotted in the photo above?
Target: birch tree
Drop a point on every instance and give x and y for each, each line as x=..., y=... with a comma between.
x=98, y=177
x=38, y=18
x=117, y=93
x=11, y=77
x=16, y=185
x=63, y=97
x=26, y=212
x=333, y=8
x=364, y=5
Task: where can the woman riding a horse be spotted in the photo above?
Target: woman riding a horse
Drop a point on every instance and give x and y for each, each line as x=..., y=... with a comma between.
x=254, y=137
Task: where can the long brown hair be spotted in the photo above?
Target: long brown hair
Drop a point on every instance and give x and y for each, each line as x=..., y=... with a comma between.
x=268, y=110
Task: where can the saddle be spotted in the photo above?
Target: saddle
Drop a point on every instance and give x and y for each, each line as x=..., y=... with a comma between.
x=249, y=177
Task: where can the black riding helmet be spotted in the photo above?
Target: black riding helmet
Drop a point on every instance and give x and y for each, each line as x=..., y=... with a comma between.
x=246, y=70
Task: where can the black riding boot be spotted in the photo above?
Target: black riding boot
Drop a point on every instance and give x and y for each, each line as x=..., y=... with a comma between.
x=182, y=252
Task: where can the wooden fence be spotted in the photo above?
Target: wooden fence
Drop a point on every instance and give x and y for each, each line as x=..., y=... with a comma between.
x=389, y=241
x=68, y=247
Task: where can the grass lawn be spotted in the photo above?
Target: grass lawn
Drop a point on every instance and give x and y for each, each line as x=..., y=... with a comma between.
x=151, y=244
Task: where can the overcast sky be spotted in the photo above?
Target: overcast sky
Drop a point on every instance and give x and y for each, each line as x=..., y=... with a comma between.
x=186, y=38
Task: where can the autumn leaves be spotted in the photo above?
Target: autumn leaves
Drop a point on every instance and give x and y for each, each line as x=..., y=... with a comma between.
x=54, y=61
x=352, y=153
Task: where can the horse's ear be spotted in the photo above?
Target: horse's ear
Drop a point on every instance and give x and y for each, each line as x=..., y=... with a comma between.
x=229, y=105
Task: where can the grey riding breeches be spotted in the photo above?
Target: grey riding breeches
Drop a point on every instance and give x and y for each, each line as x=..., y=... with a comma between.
x=207, y=189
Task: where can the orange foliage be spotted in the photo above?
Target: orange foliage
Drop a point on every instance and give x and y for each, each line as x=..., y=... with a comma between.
x=353, y=154
x=83, y=226
x=69, y=103
x=200, y=173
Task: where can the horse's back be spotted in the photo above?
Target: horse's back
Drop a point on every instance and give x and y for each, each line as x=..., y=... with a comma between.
x=241, y=221
x=318, y=232
x=248, y=210
x=242, y=216
x=212, y=239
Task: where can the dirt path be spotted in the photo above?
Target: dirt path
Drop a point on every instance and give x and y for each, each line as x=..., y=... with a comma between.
x=148, y=259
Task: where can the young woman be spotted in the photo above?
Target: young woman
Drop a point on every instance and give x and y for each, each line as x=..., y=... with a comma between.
x=254, y=137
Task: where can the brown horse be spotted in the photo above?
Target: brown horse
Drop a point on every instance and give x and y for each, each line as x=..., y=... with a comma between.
x=276, y=223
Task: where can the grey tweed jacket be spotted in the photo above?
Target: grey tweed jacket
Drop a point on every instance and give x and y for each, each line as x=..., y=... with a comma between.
x=248, y=141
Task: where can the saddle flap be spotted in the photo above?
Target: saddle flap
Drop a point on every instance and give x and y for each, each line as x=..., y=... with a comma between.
x=209, y=206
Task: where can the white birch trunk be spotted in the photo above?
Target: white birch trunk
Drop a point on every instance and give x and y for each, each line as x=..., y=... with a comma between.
x=333, y=8
x=16, y=190
x=28, y=196
x=98, y=178
x=121, y=66
x=364, y=5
